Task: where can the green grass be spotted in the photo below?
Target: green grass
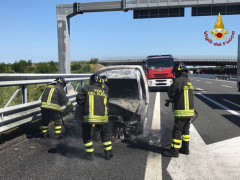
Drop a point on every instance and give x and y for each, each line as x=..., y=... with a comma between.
x=74, y=84
x=6, y=93
x=33, y=93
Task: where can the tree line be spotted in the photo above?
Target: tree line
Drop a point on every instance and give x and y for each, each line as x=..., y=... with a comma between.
x=26, y=66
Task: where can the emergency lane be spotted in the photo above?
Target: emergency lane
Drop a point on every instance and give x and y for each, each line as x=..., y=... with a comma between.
x=50, y=159
x=214, y=136
x=53, y=159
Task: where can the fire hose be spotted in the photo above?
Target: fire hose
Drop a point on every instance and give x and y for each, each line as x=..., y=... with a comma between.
x=65, y=126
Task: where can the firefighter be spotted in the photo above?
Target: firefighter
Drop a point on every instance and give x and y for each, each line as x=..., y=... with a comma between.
x=93, y=100
x=105, y=81
x=52, y=99
x=95, y=131
x=181, y=94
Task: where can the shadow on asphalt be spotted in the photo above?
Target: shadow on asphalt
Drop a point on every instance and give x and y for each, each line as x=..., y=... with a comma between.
x=67, y=151
x=158, y=89
x=233, y=118
x=145, y=146
x=219, y=98
x=70, y=152
x=31, y=129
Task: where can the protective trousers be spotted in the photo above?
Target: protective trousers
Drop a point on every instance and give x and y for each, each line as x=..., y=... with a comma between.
x=87, y=136
x=180, y=132
x=51, y=115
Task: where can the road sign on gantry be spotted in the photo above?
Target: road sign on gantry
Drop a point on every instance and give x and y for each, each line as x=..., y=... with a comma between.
x=175, y=8
x=215, y=10
x=158, y=13
x=143, y=4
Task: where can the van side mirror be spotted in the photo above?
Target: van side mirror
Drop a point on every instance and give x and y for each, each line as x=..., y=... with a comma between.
x=145, y=67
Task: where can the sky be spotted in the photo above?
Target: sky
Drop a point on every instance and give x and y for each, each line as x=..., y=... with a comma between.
x=28, y=31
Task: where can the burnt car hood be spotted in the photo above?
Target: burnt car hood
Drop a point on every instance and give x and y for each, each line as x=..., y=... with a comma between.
x=128, y=104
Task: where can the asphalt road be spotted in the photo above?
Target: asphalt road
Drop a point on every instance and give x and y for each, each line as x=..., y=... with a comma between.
x=215, y=135
x=214, y=145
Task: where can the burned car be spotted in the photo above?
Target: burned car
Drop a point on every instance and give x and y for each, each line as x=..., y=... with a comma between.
x=128, y=100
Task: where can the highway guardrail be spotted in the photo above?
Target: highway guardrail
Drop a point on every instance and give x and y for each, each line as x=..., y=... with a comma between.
x=14, y=116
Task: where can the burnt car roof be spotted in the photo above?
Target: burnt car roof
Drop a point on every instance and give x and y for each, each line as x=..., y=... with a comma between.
x=121, y=72
x=127, y=72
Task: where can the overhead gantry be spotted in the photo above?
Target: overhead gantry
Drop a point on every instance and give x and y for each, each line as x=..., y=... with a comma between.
x=142, y=9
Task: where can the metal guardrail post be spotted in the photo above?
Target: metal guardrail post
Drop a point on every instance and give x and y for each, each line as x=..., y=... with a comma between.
x=76, y=87
x=24, y=94
x=13, y=96
x=82, y=84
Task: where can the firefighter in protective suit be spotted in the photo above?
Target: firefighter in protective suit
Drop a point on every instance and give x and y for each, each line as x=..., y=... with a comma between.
x=93, y=100
x=105, y=81
x=52, y=99
x=181, y=94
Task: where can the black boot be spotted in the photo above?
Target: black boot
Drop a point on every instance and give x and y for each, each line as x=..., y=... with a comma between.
x=185, y=148
x=44, y=135
x=108, y=154
x=58, y=136
x=89, y=156
x=171, y=153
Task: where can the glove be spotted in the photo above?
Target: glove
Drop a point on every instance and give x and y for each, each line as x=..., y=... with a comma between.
x=67, y=110
x=74, y=109
x=168, y=101
x=70, y=108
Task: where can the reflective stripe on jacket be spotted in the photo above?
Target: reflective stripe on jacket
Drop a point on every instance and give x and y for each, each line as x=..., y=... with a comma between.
x=94, y=99
x=54, y=97
x=181, y=92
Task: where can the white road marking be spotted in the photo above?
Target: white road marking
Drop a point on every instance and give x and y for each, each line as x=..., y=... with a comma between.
x=234, y=82
x=156, y=115
x=220, y=105
x=231, y=102
x=154, y=161
x=201, y=89
x=209, y=82
x=227, y=86
x=226, y=81
x=198, y=80
x=215, y=161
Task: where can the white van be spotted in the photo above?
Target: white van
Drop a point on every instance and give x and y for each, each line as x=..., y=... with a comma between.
x=128, y=99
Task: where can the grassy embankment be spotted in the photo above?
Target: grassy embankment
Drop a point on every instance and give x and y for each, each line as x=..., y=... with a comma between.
x=33, y=94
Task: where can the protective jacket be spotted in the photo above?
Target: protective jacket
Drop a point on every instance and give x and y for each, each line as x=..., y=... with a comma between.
x=94, y=100
x=54, y=97
x=104, y=86
x=181, y=94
